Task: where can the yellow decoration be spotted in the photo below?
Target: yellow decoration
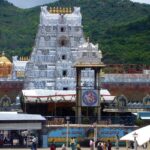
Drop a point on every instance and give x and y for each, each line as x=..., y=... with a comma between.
x=64, y=11
x=54, y=10
x=60, y=10
x=70, y=11
x=50, y=10
x=67, y=10
x=5, y=66
x=57, y=10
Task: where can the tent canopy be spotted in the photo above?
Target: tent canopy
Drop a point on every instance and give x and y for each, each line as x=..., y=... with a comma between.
x=143, y=135
x=144, y=115
x=42, y=95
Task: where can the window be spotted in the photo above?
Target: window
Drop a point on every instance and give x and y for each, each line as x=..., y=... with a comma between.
x=63, y=43
x=62, y=29
x=65, y=88
x=64, y=73
x=63, y=57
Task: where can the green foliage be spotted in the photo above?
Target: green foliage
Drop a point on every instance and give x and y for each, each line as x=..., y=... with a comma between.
x=139, y=122
x=121, y=28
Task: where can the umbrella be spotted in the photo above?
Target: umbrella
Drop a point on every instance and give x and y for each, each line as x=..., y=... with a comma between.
x=143, y=135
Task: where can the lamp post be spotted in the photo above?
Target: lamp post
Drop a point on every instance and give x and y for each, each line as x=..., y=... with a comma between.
x=117, y=142
x=95, y=134
x=135, y=135
x=67, y=131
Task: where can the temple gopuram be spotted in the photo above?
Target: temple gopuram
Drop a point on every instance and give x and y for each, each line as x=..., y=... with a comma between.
x=58, y=44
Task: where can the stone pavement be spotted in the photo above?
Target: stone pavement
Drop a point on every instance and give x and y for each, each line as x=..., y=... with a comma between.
x=82, y=148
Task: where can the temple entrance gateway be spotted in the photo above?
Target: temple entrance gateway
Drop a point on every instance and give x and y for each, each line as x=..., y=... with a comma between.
x=88, y=94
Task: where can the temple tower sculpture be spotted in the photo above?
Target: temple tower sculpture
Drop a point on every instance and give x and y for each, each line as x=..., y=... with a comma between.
x=55, y=51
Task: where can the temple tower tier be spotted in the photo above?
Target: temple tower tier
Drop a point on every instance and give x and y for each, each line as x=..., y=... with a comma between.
x=58, y=37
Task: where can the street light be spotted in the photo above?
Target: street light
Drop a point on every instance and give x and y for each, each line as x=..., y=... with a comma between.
x=135, y=135
x=67, y=132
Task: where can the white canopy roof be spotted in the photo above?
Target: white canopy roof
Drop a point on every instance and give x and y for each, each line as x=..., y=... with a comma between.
x=41, y=95
x=108, y=98
x=14, y=116
x=143, y=135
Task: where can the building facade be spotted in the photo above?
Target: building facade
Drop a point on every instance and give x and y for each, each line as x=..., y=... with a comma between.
x=55, y=51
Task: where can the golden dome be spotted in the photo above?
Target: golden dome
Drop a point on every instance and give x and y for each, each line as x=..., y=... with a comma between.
x=4, y=60
x=5, y=66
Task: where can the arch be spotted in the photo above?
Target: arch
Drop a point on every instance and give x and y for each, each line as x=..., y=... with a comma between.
x=146, y=100
x=121, y=101
x=63, y=41
x=5, y=101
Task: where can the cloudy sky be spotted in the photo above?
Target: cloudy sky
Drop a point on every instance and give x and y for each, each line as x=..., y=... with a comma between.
x=142, y=1
x=32, y=3
x=29, y=3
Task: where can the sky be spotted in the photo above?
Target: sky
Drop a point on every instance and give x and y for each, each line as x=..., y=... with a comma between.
x=142, y=1
x=29, y=3
x=32, y=3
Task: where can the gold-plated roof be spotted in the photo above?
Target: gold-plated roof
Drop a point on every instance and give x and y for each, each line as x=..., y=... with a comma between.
x=4, y=59
x=24, y=58
x=60, y=10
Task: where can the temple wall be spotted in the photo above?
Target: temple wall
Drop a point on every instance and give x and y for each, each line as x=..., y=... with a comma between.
x=11, y=89
x=134, y=86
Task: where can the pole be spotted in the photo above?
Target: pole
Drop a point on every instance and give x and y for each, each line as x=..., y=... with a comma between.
x=95, y=134
x=67, y=134
x=117, y=142
x=135, y=141
x=135, y=144
x=127, y=145
x=25, y=107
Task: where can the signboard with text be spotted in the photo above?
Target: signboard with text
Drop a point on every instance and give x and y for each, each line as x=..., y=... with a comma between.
x=59, y=134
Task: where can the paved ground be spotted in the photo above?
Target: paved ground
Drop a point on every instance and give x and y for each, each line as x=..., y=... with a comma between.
x=82, y=148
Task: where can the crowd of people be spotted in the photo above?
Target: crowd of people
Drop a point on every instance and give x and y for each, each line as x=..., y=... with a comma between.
x=73, y=145
x=76, y=146
x=100, y=145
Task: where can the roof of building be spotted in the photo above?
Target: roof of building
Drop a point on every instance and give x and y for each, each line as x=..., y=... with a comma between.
x=41, y=95
x=90, y=56
x=4, y=60
x=14, y=116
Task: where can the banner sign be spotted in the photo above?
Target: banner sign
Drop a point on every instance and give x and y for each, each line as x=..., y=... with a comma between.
x=111, y=133
x=90, y=98
x=59, y=134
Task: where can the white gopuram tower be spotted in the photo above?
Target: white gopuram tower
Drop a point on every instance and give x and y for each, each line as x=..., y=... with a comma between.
x=56, y=49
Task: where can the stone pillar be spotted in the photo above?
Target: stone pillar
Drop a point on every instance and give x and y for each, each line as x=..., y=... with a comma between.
x=44, y=137
x=99, y=103
x=78, y=97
